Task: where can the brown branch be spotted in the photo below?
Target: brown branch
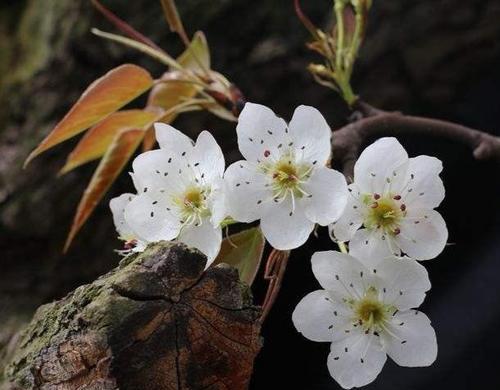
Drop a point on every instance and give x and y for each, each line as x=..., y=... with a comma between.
x=348, y=140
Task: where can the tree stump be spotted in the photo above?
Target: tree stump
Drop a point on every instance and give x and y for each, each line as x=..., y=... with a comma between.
x=157, y=321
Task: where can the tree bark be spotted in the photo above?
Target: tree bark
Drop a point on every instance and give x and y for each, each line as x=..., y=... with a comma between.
x=157, y=321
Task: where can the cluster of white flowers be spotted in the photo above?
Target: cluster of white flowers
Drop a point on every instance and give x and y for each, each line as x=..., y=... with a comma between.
x=367, y=306
x=183, y=192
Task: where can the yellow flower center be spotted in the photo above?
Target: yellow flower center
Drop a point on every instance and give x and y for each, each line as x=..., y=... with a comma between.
x=192, y=205
x=193, y=198
x=369, y=311
x=384, y=212
x=285, y=175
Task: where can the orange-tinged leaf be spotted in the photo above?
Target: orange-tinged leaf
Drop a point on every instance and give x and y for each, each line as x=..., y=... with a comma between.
x=113, y=162
x=103, y=97
x=196, y=57
x=149, y=140
x=173, y=90
x=172, y=16
x=243, y=251
x=98, y=139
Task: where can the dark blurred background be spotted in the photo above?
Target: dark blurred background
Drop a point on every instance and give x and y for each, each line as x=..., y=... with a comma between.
x=437, y=58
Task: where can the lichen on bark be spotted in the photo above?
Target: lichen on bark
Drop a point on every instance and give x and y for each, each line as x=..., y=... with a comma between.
x=157, y=319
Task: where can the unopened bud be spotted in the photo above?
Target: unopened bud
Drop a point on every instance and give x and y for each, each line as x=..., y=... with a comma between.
x=318, y=69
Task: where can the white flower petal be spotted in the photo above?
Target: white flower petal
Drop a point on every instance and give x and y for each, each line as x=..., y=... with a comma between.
x=415, y=345
x=425, y=188
x=339, y=273
x=149, y=216
x=218, y=202
x=170, y=138
x=370, y=248
x=328, y=190
x=283, y=228
x=247, y=196
x=405, y=282
x=260, y=132
x=206, y=158
x=352, y=217
x=311, y=134
x=319, y=317
x=205, y=237
x=357, y=360
x=158, y=169
x=117, y=206
x=377, y=165
x=423, y=234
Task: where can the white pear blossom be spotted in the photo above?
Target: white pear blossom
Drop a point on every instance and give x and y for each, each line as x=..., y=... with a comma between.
x=180, y=191
x=366, y=314
x=284, y=181
x=132, y=242
x=392, y=202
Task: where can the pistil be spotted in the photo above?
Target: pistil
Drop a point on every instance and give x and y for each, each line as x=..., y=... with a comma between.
x=384, y=212
x=192, y=204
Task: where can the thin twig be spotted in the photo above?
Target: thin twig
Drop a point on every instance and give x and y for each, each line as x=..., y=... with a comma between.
x=274, y=272
x=124, y=27
x=306, y=21
x=348, y=140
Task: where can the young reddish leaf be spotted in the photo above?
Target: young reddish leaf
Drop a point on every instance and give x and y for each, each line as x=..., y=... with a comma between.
x=113, y=162
x=173, y=90
x=98, y=139
x=243, y=251
x=173, y=19
x=349, y=25
x=149, y=140
x=103, y=97
x=196, y=57
x=225, y=97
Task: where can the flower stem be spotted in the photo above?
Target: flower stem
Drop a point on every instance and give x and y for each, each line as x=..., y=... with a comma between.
x=339, y=9
x=342, y=247
x=274, y=272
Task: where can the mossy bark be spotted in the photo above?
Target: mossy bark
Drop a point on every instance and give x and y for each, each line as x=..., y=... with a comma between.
x=157, y=321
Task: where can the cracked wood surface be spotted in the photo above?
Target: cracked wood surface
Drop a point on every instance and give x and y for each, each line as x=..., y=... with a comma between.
x=157, y=319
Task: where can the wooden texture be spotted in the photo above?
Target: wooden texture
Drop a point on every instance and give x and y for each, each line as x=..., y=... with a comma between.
x=157, y=321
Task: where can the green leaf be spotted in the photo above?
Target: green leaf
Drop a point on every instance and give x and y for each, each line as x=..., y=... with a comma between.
x=243, y=251
x=160, y=56
x=197, y=55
